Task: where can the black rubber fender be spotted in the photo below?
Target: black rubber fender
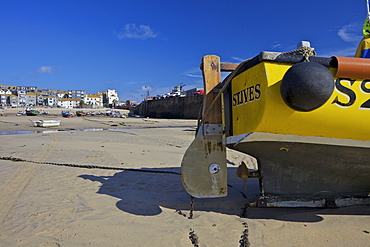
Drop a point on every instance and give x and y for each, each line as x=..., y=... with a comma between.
x=306, y=86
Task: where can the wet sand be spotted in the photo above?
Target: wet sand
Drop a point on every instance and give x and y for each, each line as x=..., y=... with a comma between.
x=43, y=204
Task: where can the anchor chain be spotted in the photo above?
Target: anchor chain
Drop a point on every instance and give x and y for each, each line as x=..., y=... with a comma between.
x=244, y=241
x=244, y=238
x=14, y=159
x=193, y=238
x=191, y=207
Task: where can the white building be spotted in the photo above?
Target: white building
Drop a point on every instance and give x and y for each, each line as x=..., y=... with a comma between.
x=53, y=101
x=93, y=100
x=6, y=92
x=110, y=96
x=31, y=99
x=62, y=94
x=76, y=94
x=69, y=103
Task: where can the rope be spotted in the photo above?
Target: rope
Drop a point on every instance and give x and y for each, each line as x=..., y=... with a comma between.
x=304, y=51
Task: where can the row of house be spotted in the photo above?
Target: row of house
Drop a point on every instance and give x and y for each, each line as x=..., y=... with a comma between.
x=29, y=96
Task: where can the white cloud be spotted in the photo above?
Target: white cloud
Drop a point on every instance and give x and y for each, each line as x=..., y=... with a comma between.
x=347, y=52
x=131, y=31
x=275, y=46
x=196, y=76
x=350, y=33
x=193, y=72
x=46, y=69
x=238, y=59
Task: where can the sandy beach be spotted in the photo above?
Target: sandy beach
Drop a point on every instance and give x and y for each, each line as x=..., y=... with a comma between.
x=44, y=203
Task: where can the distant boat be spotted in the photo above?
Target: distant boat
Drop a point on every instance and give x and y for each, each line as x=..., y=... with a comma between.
x=46, y=123
x=67, y=114
x=81, y=113
x=32, y=112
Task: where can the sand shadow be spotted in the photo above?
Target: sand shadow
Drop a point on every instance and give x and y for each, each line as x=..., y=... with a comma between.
x=190, y=130
x=145, y=193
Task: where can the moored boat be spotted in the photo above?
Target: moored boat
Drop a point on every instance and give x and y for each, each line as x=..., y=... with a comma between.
x=30, y=112
x=46, y=123
x=67, y=114
x=81, y=113
x=304, y=118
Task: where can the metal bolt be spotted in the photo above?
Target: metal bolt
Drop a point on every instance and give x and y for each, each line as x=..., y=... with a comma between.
x=214, y=168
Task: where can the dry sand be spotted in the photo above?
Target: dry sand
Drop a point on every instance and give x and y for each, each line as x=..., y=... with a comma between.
x=49, y=205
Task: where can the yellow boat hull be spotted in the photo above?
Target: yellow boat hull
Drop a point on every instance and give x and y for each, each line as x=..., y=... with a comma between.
x=321, y=153
x=265, y=110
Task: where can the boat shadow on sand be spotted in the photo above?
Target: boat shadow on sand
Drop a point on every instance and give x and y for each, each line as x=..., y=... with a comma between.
x=145, y=193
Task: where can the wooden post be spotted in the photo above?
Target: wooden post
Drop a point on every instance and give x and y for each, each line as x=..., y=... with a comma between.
x=203, y=167
x=211, y=78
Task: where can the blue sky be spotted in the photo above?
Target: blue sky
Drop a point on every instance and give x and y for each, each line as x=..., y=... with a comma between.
x=95, y=45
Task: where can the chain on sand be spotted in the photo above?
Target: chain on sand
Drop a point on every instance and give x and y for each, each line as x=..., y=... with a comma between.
x=85, y=166
x=193, y=238
x=244, y=242
x=244, y=238
x=191, y=207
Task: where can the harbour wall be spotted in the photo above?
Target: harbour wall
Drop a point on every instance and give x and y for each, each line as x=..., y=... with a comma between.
x=175, y=107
